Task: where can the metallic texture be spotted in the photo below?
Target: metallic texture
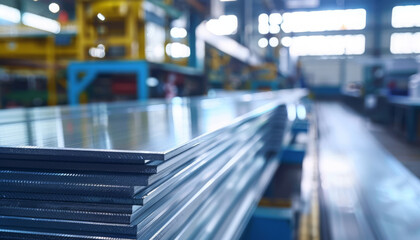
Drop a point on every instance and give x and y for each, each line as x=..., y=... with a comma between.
x=368, y=193
x=140, y=170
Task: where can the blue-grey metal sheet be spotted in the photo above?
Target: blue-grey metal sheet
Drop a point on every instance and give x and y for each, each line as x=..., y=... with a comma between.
x=405, y=101
x=127, y=134
x=56, y=196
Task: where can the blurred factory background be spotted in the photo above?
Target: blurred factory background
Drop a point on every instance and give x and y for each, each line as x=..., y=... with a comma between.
x=58, y=52
x=343, y=171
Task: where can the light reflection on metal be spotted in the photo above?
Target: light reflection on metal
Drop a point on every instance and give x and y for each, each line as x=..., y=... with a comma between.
x=227, y=155
x=301, y=112
x=291, y=112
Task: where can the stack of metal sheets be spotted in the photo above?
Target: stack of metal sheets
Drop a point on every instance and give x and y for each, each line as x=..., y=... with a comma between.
x=184, y=169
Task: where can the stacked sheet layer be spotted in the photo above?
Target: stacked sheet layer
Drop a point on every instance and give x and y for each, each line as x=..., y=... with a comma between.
x=181, y=169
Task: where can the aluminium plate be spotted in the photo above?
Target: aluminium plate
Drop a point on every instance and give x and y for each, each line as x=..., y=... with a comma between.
x=106, y=185
x=126, y=229
x=157, y=133
x=34, y=233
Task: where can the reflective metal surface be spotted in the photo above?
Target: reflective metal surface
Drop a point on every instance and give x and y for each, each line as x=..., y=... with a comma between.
x=212, y=167
x=126, y=132
x=369, y=194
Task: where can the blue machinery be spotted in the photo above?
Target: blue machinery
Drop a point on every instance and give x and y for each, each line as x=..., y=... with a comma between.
x=91, y=69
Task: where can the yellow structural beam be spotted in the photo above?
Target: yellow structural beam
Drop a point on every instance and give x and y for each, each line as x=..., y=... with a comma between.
x=51, y=83
x=124, y=26
x=38, y=53
x=80, y=21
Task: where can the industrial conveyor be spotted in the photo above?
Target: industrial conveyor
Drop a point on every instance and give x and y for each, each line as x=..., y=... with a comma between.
x=181, y=169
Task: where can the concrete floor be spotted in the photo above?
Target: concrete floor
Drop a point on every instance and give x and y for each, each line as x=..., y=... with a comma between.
x=407, y=154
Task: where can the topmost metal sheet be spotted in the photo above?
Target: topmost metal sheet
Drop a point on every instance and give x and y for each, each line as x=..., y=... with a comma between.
x=127, y=132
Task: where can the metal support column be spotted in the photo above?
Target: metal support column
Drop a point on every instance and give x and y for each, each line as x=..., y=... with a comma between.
x=76, y=84
x=194, y=21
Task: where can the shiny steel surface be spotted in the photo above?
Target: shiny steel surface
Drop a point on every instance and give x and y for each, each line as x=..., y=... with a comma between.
x=129, y=131
x=369, y=194
x=220, y=156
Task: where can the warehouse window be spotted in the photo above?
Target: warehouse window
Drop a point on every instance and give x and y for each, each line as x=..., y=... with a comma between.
x=405, y=43
x=320, y=45
x=406, y=16
x=330, y=20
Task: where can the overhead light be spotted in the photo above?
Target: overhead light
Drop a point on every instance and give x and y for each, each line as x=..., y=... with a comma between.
x=177, y=32
x=228, y=0
x=224, y=25
x=54, y=7
x=263, y=18
x=178, y=50
x=274, y=42
x=286, y=41
x=42, y=23
x=263, y=28
x=101, y=17
x=274, y=29
x=405, y=16
x=152, y=82
x=263, y=42
x=9, y=14
x=97, y=52
x=275, y=18
x=326, y=20
x=405, y=43
x=327, y=45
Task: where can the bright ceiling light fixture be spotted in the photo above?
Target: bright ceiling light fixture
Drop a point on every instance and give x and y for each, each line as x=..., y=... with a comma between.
x=177, y=50
x=406, y=16
x=263, y=18
x=97, y=52
x=286, y=41
x=101, y=16
x=405, y=43
x=42, y=23
x=274, y=29
x=224, y=25
x=263, y=42
x=274, y=42
x=177, y=32
x=263, y=28
x=275, y=18
x=327, y=45
x=9, y=14
x=327, y=20
x=54, y=7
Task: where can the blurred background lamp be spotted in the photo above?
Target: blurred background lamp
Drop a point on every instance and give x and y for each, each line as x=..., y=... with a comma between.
x=263, y=19
x=9, y=14
x=101, y=17
x=286, y=41
x=42, y=23
x=177, y=32
x=54, y=7
x=263, y=28
x=263, y=42
x=274, y=29
x=275, y=18
x=274, y=42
